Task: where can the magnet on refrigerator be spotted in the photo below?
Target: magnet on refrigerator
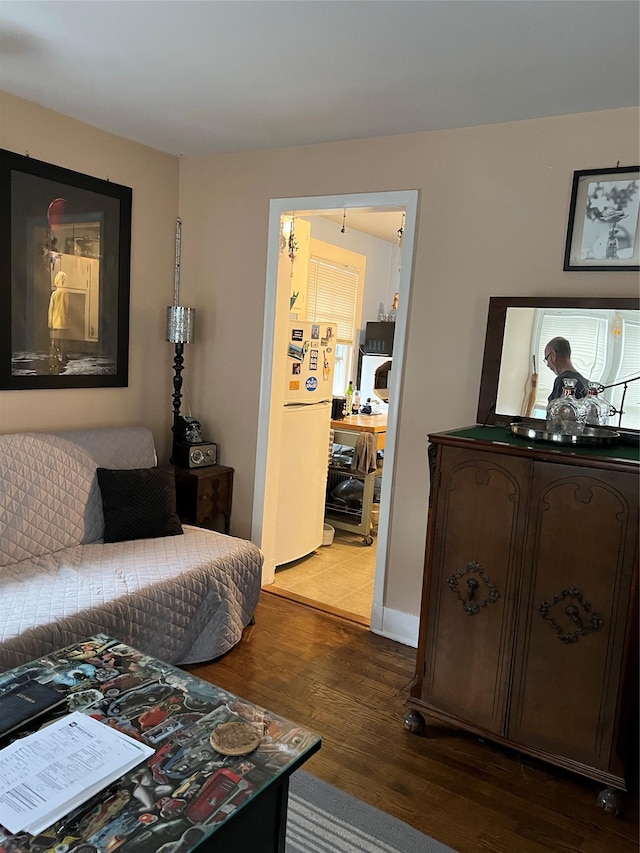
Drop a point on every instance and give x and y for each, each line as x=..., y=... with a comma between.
x=309, y=363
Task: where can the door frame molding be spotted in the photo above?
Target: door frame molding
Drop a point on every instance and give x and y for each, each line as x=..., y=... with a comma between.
x=276, y=308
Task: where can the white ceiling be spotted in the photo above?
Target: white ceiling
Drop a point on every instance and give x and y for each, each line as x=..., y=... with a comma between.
x=197, y=77
x=194, y=77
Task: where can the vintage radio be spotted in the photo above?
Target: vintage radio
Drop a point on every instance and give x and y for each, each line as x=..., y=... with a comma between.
x=189, y=450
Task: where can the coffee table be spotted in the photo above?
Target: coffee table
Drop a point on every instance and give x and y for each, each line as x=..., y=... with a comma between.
x=187, y=795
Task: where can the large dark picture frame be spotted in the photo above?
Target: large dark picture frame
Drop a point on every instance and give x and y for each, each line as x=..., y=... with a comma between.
x=64, y=277
x=603, y=232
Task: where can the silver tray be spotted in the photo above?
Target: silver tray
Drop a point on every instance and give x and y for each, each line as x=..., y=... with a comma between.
x=591, y=436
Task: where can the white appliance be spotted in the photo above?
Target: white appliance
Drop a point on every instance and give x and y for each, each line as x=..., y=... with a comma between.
x=369, y=365
x=306, y=425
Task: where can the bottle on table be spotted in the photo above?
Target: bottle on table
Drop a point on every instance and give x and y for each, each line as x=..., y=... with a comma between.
x=567, y=414
x=349, y=397
x=598, y=409
x=356, y=402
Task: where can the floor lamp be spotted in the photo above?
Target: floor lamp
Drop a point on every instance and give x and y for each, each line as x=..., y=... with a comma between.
x=180, y=324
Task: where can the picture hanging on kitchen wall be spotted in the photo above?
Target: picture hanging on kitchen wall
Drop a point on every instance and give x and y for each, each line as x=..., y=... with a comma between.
x=64, y=277
x=603, y=220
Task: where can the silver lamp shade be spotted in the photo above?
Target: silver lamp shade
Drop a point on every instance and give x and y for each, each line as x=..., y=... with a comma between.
x=180, y=324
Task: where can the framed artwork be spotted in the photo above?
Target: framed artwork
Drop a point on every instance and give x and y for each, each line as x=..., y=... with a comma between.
x=64, y=277
x=603, y=220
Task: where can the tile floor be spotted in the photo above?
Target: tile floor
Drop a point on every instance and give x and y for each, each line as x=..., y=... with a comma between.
x=339, y=575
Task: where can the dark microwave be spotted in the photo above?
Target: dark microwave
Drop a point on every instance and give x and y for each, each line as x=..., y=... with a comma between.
x=378, y=338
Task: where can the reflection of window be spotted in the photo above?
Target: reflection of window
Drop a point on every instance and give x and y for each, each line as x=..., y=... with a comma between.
x=335, y=296
x=342, y=369
x=628, y=366
x=605, y=348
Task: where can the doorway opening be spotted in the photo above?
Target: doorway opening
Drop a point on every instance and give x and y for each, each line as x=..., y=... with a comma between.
x=337, y=578
x=270, y=448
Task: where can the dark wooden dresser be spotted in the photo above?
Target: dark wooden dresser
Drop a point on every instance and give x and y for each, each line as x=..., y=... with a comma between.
x=529, y=619
x=203, y=495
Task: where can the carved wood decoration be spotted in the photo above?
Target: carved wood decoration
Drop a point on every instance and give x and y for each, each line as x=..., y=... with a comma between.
x=470, y=605
x=499, y=509
x=573, y=612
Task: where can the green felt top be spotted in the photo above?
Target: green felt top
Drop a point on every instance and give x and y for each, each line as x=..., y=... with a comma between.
x=503, y=435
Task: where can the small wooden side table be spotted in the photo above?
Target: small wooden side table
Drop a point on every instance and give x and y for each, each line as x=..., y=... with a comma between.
x=204, y=494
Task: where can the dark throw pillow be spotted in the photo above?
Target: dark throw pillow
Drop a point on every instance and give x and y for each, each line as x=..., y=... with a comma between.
x=138, y=503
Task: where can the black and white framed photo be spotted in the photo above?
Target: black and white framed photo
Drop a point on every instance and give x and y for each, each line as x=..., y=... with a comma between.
x=603, y=220
x=64, y=277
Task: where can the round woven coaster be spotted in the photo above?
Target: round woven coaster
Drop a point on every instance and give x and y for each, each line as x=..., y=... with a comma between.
x=235, y=738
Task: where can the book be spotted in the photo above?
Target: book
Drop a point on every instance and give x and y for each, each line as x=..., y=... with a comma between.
x=26, y=703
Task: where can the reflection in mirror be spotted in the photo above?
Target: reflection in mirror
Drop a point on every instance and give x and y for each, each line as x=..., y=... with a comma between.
x=66, y=282
x=604, y=335
x=605, y=348
x=65, y=277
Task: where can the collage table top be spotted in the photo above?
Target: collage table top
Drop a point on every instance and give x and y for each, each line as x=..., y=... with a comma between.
x=187, y=789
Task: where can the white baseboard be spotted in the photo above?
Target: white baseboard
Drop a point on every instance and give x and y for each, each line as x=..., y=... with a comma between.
x=395, y=625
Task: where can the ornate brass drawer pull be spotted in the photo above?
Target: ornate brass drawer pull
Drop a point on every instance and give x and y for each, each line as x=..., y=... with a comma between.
x=573, y=612
x=469, y=605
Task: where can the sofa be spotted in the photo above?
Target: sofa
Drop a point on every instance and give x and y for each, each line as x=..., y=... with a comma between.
x=184, y=597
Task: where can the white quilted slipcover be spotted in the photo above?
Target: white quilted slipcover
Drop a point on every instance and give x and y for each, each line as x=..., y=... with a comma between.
x=181, y=598
x=48, y=497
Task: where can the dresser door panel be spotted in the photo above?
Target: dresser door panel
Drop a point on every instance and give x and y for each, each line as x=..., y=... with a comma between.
x=573, y=609
x=478, y=540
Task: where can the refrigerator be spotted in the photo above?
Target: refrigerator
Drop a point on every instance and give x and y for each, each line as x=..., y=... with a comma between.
x=306, y=427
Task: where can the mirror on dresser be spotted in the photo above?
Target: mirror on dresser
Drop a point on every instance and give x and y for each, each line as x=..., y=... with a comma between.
x=604, y=334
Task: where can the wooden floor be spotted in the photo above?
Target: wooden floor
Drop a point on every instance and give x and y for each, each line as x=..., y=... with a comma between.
x=349, y=685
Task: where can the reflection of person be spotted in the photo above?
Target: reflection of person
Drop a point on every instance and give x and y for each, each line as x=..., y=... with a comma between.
x=58, y=305
x=58, y=321
x=557, y=356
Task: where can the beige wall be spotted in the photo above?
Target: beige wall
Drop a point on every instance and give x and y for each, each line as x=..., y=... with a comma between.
x=492, y=221
x=45, y=135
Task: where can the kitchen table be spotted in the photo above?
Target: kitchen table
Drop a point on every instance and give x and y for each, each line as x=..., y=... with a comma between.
x=346, y=433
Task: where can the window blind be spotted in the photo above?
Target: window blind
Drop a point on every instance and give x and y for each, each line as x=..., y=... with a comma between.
x=332, y=296
x=629, y=366
x=588, y=342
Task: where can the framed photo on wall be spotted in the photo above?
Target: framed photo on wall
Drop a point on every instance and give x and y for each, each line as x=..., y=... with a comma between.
x=603, y=220
x=64, y=277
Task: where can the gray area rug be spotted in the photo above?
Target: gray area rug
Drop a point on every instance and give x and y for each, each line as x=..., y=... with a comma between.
x=323, y=819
